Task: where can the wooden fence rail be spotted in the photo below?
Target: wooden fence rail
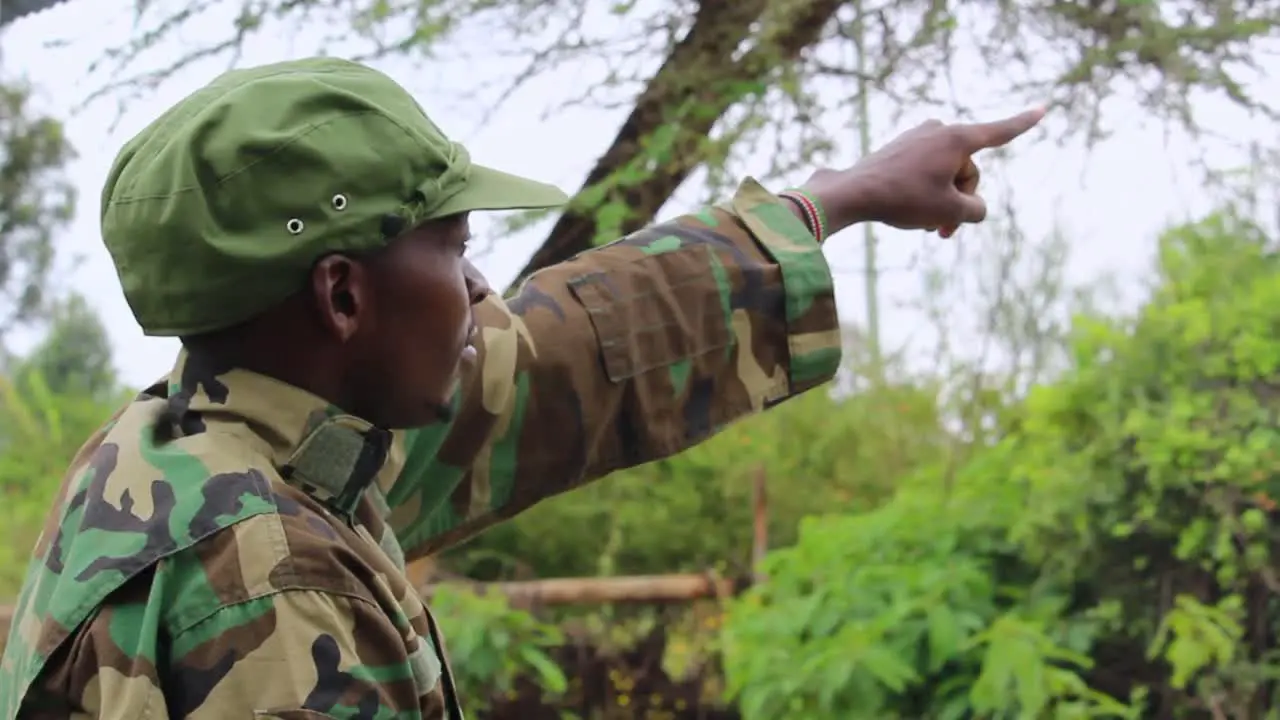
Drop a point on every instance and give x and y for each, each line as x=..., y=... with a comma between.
x=638, y=589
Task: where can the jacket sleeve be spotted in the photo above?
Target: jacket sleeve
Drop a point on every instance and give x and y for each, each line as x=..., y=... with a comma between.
x=288, y=655
x=301, y=654
x=625, y=354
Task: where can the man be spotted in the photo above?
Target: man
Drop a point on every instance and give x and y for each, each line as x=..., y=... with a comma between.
x=232, y=543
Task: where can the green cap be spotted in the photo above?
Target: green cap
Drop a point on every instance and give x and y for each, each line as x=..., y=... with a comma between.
x=218, y=210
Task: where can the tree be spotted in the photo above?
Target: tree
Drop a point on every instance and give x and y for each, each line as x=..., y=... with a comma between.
x=51, y=401
x=676, y=65
x=75, y=355
x=36, y=200
x=1111, y=554
x=733, y=77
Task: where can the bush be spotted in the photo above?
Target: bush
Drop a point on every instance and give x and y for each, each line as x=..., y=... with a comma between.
x=1111, y=556
x=693, y=512
x=492, y=645
x=41, y=428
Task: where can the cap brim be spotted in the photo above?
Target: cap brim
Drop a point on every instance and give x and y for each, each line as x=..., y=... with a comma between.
x=489, y=189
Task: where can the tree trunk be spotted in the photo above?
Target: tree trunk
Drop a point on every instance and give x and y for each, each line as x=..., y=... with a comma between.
x=699, y=67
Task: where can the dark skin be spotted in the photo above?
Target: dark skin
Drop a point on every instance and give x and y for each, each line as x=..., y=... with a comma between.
x=385, y=336
x=924, y=179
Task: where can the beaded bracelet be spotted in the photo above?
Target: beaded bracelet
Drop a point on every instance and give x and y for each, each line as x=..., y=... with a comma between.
x=814, y=216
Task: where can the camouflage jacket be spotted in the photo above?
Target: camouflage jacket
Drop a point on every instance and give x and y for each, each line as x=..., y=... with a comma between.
x=253, y=567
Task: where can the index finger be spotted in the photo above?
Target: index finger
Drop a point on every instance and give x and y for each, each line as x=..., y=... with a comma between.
x=982, y=136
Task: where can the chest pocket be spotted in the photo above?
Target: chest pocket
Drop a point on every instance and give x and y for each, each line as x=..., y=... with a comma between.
x=656, y=311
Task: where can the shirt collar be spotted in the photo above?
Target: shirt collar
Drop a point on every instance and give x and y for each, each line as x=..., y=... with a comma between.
x=333, y=456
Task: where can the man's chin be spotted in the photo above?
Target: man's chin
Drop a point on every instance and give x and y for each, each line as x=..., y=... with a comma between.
x=441, y=413
x=441, y=409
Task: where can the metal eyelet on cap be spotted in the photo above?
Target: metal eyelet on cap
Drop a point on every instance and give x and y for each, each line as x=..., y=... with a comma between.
x=294, y=226
x=339, y=202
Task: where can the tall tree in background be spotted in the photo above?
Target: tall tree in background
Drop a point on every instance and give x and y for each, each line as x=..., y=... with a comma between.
x=75, y=355
x=709, y=87
x=50, y=402
x=738, y=78
x=36, y=201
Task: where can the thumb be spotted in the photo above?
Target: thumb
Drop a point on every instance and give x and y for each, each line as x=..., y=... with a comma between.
x=973, y=209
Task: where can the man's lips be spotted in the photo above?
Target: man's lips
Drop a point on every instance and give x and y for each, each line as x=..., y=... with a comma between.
x=469, y=352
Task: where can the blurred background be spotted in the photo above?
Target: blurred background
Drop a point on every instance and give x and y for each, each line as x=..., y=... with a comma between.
x=1041, y=488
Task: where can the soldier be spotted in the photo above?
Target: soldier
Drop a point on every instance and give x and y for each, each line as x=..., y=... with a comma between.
x=350, y=394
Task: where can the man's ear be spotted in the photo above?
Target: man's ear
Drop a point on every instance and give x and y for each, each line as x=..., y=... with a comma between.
x=339, y=287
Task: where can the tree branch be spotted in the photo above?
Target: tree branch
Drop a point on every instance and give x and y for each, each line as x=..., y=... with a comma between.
x=11, y=10
x=694, y=88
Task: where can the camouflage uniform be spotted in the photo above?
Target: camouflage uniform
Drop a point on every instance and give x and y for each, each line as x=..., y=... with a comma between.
x=254, y=565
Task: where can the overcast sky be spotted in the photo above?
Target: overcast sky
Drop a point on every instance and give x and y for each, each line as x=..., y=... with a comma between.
x=1112, y=203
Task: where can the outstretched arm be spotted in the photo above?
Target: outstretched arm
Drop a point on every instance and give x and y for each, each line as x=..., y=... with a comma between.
x=643, y=348
x=623, y=355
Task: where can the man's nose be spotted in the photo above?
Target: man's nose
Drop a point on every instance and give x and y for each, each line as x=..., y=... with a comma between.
x=477, y=287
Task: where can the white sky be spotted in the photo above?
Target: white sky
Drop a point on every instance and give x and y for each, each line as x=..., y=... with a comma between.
x=1112, y=204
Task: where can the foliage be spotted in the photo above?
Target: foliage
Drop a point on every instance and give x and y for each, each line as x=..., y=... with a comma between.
x=49, y=405
x=714, y=90
x=36, y=201
x=693, y=511
x=1169, y=50
x=40, y=431
x=1111, y=556
x=75, y=354
x=491, y=645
